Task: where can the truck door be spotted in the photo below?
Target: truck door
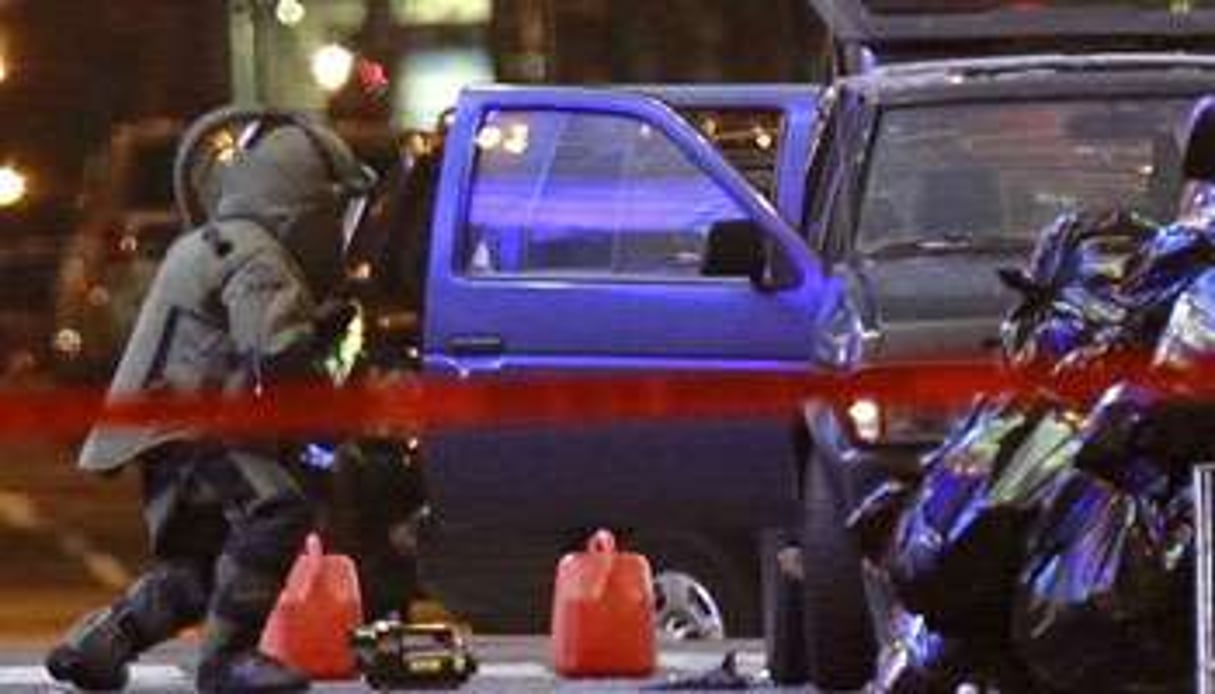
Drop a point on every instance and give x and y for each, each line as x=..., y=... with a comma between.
x=572, y=235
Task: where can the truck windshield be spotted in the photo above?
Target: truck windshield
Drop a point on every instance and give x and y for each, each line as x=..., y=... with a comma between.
x=982, y=175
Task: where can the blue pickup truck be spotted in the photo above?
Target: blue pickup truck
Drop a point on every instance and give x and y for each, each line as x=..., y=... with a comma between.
x=596, y=233
x=760, y=229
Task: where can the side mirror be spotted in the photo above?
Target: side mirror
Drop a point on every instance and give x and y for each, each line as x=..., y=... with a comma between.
x=735, y=248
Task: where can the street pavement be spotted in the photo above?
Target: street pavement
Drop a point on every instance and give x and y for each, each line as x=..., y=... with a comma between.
x=70, y=542
x=508, y=664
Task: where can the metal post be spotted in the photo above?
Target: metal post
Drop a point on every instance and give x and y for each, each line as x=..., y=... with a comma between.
x=1204, y=522
x=242, y=53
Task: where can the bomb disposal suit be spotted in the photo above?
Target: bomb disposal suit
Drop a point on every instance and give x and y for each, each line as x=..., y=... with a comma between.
x=234, y=308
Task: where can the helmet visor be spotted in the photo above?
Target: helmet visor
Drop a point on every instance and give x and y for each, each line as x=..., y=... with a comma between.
x=352, y=218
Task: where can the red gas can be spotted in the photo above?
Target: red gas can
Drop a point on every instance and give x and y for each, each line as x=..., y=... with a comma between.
x=603, y=613
x=316, y=612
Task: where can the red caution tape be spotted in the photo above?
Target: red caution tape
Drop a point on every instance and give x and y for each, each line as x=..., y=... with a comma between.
x=415, y=404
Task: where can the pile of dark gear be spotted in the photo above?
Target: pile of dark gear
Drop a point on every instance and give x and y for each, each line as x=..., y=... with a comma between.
x=1048, y=544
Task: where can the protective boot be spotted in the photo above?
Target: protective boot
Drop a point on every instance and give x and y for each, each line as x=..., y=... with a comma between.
x=99, y=648
x=240, y=606
x=96, y=653
x=248, y=672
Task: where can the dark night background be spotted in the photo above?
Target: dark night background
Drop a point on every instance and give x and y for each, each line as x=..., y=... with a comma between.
x=78, y=68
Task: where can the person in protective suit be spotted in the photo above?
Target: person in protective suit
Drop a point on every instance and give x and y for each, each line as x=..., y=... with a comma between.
x=236, y=306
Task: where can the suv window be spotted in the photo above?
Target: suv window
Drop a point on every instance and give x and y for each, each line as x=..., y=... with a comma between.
x=1001, y=171
x=587, y=194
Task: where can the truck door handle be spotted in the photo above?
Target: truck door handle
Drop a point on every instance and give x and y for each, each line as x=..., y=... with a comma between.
x=475, y=346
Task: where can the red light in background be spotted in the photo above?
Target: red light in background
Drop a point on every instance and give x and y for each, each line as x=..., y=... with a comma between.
x=372, y=76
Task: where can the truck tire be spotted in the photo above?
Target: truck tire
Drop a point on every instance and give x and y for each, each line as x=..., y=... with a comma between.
x=840, y=646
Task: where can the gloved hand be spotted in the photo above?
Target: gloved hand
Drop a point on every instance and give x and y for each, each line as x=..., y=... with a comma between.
x=332, y=318
x=338, y=337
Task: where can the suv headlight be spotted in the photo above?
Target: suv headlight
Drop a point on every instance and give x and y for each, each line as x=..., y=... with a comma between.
x=876, y=423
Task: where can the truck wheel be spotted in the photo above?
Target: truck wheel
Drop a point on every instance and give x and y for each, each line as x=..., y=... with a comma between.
x=702, y=587
x=686, y=609
x=840, y=645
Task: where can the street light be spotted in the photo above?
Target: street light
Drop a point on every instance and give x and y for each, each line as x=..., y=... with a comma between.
x=289, y=12
x=13, y=186
x=331, y=66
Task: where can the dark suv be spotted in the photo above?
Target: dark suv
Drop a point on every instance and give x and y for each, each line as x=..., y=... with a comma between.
x=931, y=173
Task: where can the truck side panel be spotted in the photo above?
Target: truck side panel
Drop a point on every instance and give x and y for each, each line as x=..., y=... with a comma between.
x=570, y=239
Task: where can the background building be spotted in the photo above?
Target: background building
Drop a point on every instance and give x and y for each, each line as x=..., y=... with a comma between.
x=74, y=73
x=428, y=49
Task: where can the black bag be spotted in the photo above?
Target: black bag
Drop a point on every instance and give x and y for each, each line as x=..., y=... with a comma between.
x=1068, y=289
x=1105, y=600
x=961, y=542
x=916, y=660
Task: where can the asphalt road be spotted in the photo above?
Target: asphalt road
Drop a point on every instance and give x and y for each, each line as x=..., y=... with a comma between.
x=508, y=664
x=70, y=542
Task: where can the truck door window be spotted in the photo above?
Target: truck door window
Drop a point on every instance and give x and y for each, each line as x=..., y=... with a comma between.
x=591, y=195
x=747, y=138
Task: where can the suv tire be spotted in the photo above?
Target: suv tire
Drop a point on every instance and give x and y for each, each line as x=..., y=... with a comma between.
x=840, y=645
x=784, y=630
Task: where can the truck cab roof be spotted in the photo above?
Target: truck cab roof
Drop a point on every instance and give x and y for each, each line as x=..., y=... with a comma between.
x=1034, y=74
x=871, y=32
x=893, y=23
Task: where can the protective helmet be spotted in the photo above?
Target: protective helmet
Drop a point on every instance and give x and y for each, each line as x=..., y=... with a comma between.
x=211, y=143
x=350, y=182
x=284, y=169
